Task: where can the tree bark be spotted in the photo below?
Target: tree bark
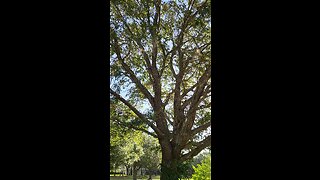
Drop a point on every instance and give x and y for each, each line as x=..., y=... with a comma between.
x=169, y=170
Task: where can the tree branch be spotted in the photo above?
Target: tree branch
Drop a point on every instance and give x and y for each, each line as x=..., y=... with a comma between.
x=138, y=41
x=200, y=85
x=140, y=115
x=136, y=128
x=200, y=146
x=132, y=76
x=166, y=101
x=200, y=88
x=195, y=100
x=200, y=128
x=204, y=106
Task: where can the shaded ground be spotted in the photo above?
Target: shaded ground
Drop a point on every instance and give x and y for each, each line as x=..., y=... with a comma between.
x=130, y=178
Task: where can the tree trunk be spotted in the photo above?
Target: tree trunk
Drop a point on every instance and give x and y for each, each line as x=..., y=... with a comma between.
x=169, y=170
x=127, y=169
x=150, y=175
x=170, y=158
x=134, y=171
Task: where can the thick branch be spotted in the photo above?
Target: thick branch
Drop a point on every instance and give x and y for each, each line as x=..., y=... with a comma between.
x=201, y=145
x=140, y=115
x=205, y=94
x=200, y=85
x=136, y=128
x=200, y=89
x=200, y=128
x=195, y=100
x=188, y=90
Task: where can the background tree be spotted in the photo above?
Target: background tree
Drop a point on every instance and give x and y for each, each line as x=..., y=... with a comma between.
x=126, y=145
x=161, y=71
x=151, y=158
x=117, y=137
x=134, y=151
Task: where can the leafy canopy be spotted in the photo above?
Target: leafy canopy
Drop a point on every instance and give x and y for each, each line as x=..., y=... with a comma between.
x=160, y=70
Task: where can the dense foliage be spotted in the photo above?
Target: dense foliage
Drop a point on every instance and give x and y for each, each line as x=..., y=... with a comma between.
x=203, y=170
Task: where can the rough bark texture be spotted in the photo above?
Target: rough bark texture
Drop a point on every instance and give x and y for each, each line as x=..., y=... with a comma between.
x=169, y=170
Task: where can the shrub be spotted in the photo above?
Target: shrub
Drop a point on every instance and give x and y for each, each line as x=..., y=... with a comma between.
x=203, y=170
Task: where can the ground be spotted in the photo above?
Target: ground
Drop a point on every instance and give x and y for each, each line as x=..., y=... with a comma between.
x=130, y=178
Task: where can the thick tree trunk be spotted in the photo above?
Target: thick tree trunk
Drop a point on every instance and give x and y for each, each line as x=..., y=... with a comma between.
x=169, y=170
x=169, y=164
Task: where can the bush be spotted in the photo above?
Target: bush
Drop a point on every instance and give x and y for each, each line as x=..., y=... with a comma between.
x=185, y=170
x=203, y=170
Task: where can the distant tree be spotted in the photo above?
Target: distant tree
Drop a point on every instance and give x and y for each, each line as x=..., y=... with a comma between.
x=161, y=72
x=134, y=151
x=117, y=156
x=129, y=140
x=151, y=158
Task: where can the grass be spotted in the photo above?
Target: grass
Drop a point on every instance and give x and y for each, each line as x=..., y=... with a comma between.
x=130, y=178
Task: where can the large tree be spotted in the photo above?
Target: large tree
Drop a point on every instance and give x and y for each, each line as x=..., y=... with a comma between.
x=160, y=59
